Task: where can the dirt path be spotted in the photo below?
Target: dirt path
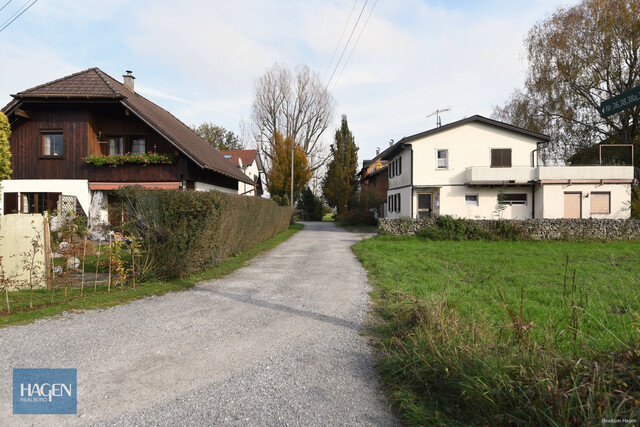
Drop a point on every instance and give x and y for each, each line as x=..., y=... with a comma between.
x=276, y=342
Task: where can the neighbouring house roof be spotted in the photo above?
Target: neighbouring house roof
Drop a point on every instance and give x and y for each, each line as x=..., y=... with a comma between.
x=94, y=84
x=398, y=146
x=246, y=156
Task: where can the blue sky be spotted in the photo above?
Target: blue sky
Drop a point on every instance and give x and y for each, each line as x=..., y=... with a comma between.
x=200, y=59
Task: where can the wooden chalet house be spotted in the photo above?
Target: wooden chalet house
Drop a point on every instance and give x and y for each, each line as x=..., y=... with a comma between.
x=66, y=135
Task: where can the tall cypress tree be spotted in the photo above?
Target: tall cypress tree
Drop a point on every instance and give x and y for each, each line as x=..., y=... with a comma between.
x=5, y=153
x=340, y=183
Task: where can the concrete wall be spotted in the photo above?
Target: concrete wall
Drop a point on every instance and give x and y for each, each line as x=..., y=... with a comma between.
x=17, y=233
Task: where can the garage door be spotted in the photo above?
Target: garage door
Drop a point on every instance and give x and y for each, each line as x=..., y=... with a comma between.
x=572, y=205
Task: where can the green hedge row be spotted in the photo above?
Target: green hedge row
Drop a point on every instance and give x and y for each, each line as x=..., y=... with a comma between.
x=185, y=232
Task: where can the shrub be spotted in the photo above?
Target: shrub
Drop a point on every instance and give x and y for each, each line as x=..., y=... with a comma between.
x=449, y=228
x=635, y=203
x=185, y=232
x=357, y=217
x=310, y=205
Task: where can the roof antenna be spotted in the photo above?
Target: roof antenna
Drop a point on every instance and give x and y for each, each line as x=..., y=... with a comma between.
x=437, y=114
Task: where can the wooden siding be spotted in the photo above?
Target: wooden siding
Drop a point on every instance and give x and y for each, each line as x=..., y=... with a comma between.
x=80, y=125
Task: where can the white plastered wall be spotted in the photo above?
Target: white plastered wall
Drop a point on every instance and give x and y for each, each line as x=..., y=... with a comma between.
x=553, y=199
x=68, y=187
x=468, y=145
x=405, y=202
x=201, y=186
x=452, y=202
x=248, y=189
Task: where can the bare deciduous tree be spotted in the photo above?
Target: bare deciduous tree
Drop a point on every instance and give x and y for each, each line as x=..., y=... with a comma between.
x=579, y=57
x=297, y=105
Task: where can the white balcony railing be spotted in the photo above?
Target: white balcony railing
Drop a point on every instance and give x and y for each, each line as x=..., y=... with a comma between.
x=485, y=174
x=524, y=174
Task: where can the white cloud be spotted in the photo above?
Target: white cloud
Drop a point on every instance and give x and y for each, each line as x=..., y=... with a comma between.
x=199, y=60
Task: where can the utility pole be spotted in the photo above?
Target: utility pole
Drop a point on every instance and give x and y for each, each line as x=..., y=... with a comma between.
x=292, y=145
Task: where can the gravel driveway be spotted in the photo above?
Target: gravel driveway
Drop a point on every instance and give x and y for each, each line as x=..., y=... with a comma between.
x=276, y=343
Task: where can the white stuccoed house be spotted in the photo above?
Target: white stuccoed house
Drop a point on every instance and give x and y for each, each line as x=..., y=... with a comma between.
x=460, y=169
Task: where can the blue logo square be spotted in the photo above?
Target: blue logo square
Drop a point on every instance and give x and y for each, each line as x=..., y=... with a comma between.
x=45, y=391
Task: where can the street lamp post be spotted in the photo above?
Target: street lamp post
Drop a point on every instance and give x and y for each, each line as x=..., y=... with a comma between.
x=292, y=144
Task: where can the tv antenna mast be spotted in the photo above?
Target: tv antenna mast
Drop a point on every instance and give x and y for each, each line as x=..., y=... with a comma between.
x=437, y=114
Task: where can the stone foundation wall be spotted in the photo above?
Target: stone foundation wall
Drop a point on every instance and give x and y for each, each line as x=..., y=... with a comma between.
x=536, y=229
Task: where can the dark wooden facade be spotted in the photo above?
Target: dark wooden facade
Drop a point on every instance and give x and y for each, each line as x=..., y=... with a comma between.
x=84, y=126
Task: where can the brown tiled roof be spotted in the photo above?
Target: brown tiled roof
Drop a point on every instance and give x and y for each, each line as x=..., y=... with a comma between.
x=91, y=83
x=247, y=156
x=94, y=83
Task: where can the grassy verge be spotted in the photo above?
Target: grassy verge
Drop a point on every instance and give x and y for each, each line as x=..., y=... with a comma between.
x=501, y=333
x=329, y=217
x=100, y=298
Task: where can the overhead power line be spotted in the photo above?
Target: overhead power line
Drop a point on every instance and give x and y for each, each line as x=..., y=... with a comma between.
x=347, y=43
x=17, y=14
x=5, y=5
x=346, y=24
x=354, y=45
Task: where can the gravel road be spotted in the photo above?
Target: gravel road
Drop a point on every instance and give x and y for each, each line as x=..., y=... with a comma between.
x=277, y=342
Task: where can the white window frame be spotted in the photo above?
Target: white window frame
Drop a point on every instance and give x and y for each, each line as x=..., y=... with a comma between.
x=445, y=162
x=516, y=202
x=467, y=202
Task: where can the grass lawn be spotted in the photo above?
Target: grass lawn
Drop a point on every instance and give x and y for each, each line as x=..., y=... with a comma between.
x=493, y=332
x=71, y=300
x=472, y=275
x=328, y=217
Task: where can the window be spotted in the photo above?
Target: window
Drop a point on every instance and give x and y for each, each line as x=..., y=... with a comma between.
x=396, y=202
x=573, y=205
x=514, y=199
x=600, y=203
x=52, y=144
x=442, y=159
x=39, y=202
x=391, y=170
x=501, y=157
x=471, y=199
x=399, y=165
x=137, y=145
x=116, y=145
x=390, y=204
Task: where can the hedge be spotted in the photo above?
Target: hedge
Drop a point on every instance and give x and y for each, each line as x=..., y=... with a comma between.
x=186, y=232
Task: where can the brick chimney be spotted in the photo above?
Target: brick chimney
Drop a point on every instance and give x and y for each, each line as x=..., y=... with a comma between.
x=128, y=80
